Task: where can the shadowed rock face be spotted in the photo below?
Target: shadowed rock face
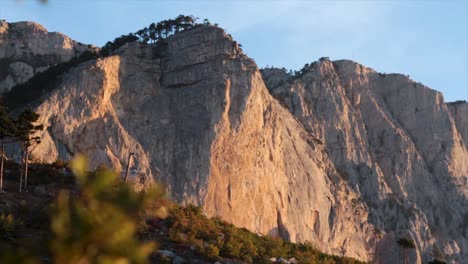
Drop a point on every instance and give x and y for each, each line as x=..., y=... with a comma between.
x=342, y=156
x=26, y=48
x=396, y=142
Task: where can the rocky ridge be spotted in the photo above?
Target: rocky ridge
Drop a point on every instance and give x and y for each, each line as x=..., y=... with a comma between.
x=396, y=142
x=340, y=155
x=28, y=48
x=199, y=118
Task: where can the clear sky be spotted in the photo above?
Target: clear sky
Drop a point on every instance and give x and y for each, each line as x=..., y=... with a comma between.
x=426, y=39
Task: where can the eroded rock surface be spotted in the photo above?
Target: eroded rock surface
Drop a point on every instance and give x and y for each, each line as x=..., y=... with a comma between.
x=341, y=156
x=396, y=143
x=27, y=48
x=199, y=118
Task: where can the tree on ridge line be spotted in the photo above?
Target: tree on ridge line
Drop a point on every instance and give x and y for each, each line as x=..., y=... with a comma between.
x=155, y=32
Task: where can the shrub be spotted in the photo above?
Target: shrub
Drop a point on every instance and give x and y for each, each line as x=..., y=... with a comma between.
x=214, y=237
x=212, y=252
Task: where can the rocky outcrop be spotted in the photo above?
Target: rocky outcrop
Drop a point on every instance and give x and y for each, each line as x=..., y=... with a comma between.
x=198, y=116
x=339, y=155
x=27, y=48
x=396, y=143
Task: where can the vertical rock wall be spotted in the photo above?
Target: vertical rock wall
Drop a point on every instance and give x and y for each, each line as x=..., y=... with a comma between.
x=396, y=142
x=341, y=155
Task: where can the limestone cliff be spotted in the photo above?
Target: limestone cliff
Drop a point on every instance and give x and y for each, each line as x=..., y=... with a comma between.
x=340, y=155
x=198, y=116
x=27, y=48
x=396, y=143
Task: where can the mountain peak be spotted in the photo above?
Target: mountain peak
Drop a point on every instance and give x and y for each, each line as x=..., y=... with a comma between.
x=28, y=25
x=27, y=48
x=336, y=154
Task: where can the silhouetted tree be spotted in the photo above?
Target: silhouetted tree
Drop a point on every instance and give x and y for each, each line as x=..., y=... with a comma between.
x=7, y=131
x=165, y=28
x=26, y=128
x=154, y=32
x=107, y=49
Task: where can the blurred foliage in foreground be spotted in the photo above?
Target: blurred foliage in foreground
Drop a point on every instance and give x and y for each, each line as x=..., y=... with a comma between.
x=98, y=223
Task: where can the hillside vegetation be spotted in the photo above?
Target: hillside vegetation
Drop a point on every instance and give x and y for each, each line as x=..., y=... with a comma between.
x=62, y=216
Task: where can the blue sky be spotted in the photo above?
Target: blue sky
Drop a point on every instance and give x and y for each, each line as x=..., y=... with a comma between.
x=424, y=39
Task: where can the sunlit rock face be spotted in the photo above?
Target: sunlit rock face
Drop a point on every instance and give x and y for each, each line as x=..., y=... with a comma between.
x=341, y=156
x=27, y=48
x=197, y=115
x=395, y=141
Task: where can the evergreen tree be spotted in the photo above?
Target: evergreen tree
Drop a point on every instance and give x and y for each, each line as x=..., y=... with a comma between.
x=159, y=31
x=152, y=32
x=166, y=28
x=7, y=131
x=25, y=133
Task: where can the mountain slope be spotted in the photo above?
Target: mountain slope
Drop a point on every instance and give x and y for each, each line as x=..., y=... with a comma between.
x=198, y=117
x=340, y=155
x=397, y=144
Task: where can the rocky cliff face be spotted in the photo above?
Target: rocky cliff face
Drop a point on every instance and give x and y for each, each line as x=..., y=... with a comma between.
x=27, y=48
x=199, y=118
x=341, y=156
x=397, y=144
